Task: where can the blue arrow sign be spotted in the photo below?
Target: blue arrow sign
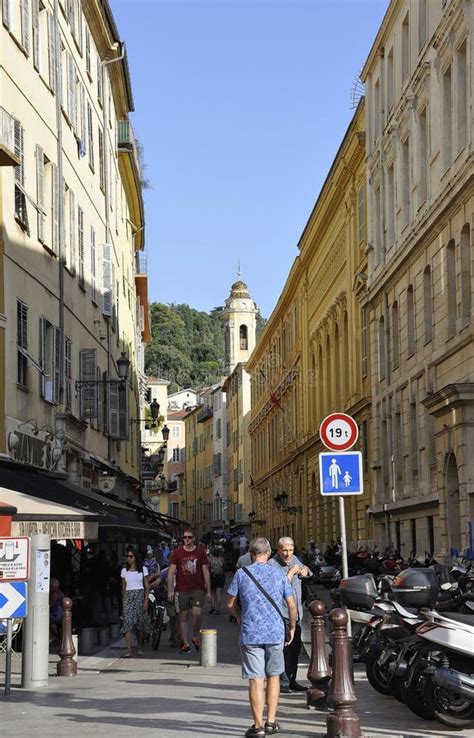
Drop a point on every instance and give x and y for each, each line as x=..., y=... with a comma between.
x=341, y=473
x=13, y=600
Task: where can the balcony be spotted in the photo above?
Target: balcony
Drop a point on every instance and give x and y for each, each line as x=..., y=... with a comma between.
x=204, y=414
x=140, y=264
x=8, y=157
x=128, y=149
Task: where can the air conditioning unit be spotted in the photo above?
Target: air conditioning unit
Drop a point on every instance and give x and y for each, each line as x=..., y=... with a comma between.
x=106, y=483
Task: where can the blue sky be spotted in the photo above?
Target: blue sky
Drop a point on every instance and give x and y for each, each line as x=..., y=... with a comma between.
x=240, y=106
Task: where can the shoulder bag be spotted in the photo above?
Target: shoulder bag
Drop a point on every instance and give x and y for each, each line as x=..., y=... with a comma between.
x=270, y=599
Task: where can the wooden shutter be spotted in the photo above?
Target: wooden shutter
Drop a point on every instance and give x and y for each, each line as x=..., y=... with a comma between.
x=25, y=25
x=72, y=231
x=79, y=25
x=107, y=286
x=93, y=266
x=40, y=192
x=88, y=51
x=83, y=133
x=7, y=17
x=52, y=52
x=68, y=373
x=118, y=420
x=36, y=35
x=56, y=365
x=90, y=136
x=88, y=393
x=54, y=208
x=80, y=244
x=47, y=360
x=124, y=420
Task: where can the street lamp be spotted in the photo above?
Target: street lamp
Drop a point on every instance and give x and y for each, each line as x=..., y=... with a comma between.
x=281, y=504
x=254, y=520
x=154, y=411
x=165, y=432
x=123, y=365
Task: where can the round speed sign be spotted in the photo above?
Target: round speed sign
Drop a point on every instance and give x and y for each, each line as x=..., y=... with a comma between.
x=338, y=431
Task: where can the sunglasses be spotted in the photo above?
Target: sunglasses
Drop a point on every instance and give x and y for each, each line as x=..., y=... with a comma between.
x=130, y=556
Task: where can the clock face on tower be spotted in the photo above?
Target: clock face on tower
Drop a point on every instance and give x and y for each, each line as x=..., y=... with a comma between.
x=243, y=304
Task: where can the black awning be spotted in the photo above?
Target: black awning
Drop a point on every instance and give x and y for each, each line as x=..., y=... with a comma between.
x=111, y=514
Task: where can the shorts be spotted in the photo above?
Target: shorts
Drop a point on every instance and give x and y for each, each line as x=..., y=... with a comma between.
x=217, y=581
x=172, y=607
x=263, y=660
x=188, y=600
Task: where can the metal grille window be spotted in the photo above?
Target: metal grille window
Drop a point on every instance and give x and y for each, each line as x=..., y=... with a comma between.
x=22, y=342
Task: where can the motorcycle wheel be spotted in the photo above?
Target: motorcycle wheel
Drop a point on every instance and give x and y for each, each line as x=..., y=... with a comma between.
x=413, y=692
x=376, y=677
x=448, y=707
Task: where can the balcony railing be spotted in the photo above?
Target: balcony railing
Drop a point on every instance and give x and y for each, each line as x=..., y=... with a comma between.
x=126, y=140
x=140, y=264
x=8, y=157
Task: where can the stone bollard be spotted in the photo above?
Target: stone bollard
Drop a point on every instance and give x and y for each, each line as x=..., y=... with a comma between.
x=67, y=666
x=342, y=722
x=208, y=648
x=319, y=671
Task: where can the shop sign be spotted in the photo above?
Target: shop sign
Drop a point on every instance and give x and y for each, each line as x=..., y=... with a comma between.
x=56, y=529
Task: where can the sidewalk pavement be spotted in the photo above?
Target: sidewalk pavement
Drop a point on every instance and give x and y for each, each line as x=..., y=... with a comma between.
x=169, y=695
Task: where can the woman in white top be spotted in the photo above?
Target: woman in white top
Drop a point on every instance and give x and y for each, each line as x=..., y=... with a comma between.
x=135, y=601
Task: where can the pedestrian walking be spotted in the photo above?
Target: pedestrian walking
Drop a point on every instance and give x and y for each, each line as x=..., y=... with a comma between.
x=217, y=572
x=135, y=601
x=261, y=591
x=188, y=575
x=294, y=570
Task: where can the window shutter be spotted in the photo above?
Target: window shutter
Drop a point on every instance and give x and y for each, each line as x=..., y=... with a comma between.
x=54, y=208
x=56, y=365
x=119, y=421
x=93, y=266
x=90, y=136
x=72, y=231
x=25, y=25
x=107, y=287
x=68, y=373
x=83, y=134
x=6, y=13
x=112, y=297
x=80, y=244
x=40, y=192
x=51, y=52
x=88, y=393
x=113, y=408
x=88, y=51
x=36, y=34
x=63, y=220
x=79, y=25
x=42, y=357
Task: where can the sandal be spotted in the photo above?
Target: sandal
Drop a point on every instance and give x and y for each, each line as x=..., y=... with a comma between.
x=272, y=728
x=255, y=732
x=127, y=656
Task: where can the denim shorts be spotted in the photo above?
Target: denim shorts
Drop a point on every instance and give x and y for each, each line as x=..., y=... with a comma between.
x=262, y=660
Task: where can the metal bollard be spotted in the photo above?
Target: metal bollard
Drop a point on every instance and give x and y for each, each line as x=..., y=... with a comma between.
x=319, y=671
x=67, y=666
x=208, y=649
x=343, y=721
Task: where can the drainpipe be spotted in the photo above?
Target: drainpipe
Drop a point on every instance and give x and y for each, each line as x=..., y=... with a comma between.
x=105, y=123
x=59, y=204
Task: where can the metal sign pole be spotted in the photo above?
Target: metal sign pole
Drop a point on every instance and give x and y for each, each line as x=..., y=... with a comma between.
x=345, y=567
x=8, y=658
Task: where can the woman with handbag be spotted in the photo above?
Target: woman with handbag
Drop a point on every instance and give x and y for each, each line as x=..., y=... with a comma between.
x=135, y=601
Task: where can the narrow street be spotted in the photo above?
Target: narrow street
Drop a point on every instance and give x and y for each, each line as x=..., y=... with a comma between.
x=170, y=695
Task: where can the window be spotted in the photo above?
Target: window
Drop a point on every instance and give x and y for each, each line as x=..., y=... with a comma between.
x=390, y=80
x=68, y=373
x=422, y=156
x=447, y=118
x=376, y=109
x=50, y=348
x=101, y=161
x=413, y=536
x=378, y=226
x=406, y=184
x=218, y=428
x=73, y=234
x=428, y=304
x=390, y=207
x=462, y=122
x=88, y=394
x=466, y=293
x=16, y=17
x=243, y=338
x=87, y=38
x=22, y=342
x=39, y=156
x=405, y=46
x=93, y=267
x=90, y=140
x=21, y=212
x=414, y=436
x=35, y=13
x=382, y=349
x=361, y=213
x=395, y=336
x=363, y=345
x=100, y=87
x=176, y=452
x=422, y=22
x=410, y=321
x=365, y=445
x=431, y=541
x=80, y=245
x=451, y=287
x=175, y=431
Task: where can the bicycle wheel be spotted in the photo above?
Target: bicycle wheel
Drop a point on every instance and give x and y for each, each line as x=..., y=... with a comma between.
x=157, y=627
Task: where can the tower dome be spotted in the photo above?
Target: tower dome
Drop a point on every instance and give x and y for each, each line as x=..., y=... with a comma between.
x=239, y=317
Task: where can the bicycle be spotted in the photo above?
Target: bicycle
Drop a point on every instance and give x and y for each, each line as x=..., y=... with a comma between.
x=157, y=616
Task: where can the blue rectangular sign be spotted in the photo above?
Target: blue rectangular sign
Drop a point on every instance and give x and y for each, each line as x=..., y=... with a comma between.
x=13, y=600
x=340, y=473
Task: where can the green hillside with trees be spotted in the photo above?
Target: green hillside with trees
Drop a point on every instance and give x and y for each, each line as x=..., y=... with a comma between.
x=187, y=345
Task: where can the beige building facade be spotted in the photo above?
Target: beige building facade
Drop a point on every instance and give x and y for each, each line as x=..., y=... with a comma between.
x=71, y=230
x=419, y=92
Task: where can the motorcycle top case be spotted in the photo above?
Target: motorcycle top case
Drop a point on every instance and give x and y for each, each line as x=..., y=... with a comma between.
x=358, y=592
x=416, y=588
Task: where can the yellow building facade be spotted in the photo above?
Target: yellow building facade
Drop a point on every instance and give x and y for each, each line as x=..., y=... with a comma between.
x=197, y=501
x=312, y=359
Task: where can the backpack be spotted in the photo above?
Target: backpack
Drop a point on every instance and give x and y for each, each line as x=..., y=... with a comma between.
x=216, y=565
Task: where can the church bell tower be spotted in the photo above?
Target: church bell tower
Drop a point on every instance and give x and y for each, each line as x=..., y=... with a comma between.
x=240, y=321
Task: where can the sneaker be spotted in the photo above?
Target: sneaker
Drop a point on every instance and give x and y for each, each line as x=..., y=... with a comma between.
x=295, y=687
x=196, y=644
x=184, y=648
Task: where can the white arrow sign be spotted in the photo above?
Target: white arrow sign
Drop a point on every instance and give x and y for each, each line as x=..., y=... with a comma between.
x=12, y=600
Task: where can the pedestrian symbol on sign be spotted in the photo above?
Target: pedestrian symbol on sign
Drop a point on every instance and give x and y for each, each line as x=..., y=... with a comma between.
x=347, y=479
x=334, y=471
x=341, y=473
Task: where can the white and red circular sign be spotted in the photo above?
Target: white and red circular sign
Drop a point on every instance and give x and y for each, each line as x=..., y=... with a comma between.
x=338, y=431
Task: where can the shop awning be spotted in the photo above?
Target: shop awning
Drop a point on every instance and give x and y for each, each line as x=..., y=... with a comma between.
x=35, y=515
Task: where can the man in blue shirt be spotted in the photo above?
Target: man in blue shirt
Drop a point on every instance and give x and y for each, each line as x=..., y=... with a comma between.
x=286, y=562
x=262, y=633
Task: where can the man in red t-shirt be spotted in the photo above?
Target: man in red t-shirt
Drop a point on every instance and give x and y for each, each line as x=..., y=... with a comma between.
x=189, y=568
